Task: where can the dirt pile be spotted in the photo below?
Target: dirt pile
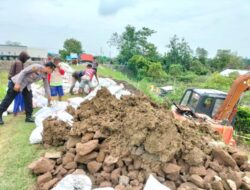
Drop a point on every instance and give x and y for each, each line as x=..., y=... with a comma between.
x=55, y=132
x=118, y=143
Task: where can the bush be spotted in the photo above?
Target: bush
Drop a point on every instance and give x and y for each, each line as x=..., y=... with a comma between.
x=242, y=121
x=216, y=81
x=187, y=76
x=156, y=72
x=142, y=67
x=198, y=68
x=139, y=66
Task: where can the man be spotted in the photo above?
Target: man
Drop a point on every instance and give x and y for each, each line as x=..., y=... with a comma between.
x=22, y=83
x=56, y=81
x=86, y=79
x=76, y=76
x=16, y=68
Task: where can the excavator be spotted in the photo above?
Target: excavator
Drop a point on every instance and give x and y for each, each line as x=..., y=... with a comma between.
x=215, y=107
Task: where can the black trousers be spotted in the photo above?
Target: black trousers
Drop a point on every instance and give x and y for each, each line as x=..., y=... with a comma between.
x=10, y=96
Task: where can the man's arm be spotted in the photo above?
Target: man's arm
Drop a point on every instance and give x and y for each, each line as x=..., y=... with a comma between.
x=27, y=70
x=46, y=87
x=96, y=76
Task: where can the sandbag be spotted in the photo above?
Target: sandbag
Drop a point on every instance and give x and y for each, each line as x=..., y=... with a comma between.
x=154, y=184
x=73, y=182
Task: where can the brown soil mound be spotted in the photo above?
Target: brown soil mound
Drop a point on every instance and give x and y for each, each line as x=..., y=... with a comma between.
x=70, y=110
x=119, y=143
x=55, y=132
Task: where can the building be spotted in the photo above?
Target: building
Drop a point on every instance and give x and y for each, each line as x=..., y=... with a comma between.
x=227, y=72
x=86, y=57
x=11, y=52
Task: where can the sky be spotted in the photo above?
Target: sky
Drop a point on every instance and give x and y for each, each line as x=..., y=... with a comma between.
x=213, y=24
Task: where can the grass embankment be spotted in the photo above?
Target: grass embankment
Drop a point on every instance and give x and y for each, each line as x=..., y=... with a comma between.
x=16, y=153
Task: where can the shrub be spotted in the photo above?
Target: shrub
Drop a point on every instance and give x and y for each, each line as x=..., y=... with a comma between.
x=155, y=71
x=187, y=76
x=242, y=121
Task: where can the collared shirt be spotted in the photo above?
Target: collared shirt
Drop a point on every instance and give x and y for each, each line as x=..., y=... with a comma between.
x=32, y=74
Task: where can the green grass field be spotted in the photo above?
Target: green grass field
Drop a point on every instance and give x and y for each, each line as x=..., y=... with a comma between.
x=16, y=153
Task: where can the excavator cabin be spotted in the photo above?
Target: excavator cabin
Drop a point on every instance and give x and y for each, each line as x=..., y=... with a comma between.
x=204, y=101
x=221, y=107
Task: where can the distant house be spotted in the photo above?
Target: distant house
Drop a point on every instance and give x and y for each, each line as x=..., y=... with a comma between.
x=227, y=72
x=11, y=52
x=86, y=57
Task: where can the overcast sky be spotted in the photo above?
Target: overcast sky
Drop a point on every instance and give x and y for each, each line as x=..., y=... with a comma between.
x=213, y=24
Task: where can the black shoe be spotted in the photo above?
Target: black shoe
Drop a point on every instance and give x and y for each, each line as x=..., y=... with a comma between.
x=29, y=120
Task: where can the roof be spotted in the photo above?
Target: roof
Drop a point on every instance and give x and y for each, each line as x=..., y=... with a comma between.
x=87, y=57
x=229, y=71
x=6, y=45
x=210, y=92
x=167, y=88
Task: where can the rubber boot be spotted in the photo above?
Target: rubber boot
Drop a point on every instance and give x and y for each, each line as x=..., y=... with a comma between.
x=29, y=119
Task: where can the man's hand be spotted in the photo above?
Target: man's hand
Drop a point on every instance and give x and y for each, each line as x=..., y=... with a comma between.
x=17, y=87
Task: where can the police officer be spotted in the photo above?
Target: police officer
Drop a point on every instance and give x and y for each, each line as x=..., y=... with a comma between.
x=22, y=83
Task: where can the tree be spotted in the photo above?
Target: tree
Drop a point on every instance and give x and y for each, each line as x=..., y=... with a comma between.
x=227, y=59
x=201, y=55
x=139, y=66
x=71, y=46
x=179, y=53
x=155, y=71
x=246, y=63
x=134, y=42
x=175, y=70
x=198, y=68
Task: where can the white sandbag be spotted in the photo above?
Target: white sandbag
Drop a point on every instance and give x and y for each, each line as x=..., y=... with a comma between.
x=66, y=67
x=73, y=182
x=115, y=88
x=75, y=102
x=154, y=184
x=5, y=113
x=39, y=101
x=64, y=116
x=11, y=107
x=121, y=93
x=36, y=135
x=42, y=114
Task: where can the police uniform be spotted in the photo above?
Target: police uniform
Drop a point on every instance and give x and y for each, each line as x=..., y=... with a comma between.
x=25, y=78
